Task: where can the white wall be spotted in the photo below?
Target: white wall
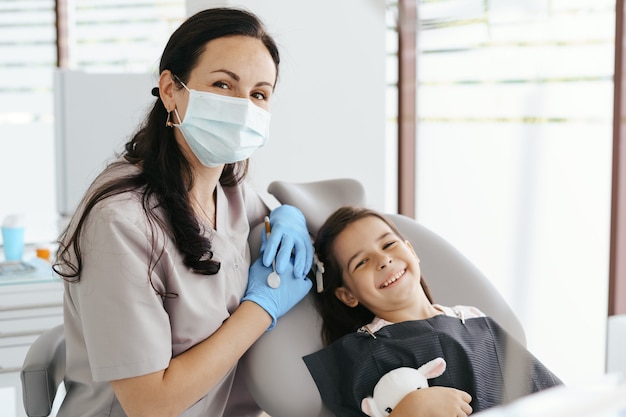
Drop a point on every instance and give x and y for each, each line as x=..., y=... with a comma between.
x=82, y=151
x=328, y=111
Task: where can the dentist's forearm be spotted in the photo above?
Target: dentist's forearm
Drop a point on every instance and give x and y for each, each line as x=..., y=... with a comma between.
x=193, y=373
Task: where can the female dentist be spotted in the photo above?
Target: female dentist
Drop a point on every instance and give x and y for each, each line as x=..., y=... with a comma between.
x=160, y=299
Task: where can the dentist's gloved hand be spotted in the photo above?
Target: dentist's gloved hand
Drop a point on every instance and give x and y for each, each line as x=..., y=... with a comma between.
x=276, y=301
x=289, y=231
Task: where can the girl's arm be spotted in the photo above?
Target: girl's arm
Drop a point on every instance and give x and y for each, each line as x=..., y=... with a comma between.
x=434, y=402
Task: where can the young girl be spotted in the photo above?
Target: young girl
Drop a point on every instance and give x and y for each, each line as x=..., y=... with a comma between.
x=378, y=315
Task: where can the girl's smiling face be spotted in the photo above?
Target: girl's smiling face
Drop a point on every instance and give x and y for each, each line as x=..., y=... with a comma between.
x=380, y=270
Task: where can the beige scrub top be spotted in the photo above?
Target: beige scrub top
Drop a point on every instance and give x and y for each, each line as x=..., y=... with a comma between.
x=117, y=326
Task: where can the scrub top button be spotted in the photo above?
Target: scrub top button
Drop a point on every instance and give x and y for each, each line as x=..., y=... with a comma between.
x=236, y=267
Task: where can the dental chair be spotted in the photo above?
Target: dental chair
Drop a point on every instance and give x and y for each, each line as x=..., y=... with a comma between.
x=273, y=368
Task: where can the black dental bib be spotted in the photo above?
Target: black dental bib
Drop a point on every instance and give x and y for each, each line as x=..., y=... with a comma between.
x=482, y=360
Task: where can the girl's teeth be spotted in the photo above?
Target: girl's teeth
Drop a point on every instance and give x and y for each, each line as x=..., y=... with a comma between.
x=392, y=280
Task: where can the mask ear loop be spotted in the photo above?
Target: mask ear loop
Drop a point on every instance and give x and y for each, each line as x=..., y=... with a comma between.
x=169, y=122
x=181, y=82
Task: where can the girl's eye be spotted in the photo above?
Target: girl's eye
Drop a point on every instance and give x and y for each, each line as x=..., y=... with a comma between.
x=360, y=264
x=389, y=244
x=220, y=84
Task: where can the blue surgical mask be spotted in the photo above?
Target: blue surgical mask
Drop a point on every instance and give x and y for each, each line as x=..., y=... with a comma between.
x=221, y=129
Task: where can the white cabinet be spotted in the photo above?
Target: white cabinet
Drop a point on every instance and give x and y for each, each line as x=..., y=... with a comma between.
x=30, y=304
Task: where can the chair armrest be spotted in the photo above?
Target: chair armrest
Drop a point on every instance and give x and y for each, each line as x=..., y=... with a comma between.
x=43, y=371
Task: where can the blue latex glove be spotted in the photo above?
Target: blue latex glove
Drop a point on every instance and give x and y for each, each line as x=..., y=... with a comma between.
x=289, y=234
x=276, y=301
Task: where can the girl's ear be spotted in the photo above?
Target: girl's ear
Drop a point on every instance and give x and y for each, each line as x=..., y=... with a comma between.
x=346, y=297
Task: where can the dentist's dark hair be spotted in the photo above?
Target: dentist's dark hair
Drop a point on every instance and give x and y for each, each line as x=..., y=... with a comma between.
x=165, y=175
x=337, y=318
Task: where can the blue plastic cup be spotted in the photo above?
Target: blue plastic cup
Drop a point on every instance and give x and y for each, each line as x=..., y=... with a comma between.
x=13, y=243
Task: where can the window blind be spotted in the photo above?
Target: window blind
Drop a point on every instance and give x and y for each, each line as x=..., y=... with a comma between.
x=121, y=36
x=391, y=104
x=27, y=54
x=514, y=155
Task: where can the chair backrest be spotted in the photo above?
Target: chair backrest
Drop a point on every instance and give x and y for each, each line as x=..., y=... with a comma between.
x=43, y=371
x=273, y=367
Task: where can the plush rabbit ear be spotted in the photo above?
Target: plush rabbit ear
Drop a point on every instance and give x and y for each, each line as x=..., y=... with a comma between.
x=368, y=406
x=433, y=369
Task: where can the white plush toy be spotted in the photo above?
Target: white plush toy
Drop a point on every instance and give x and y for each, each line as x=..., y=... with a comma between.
x=397, y=383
